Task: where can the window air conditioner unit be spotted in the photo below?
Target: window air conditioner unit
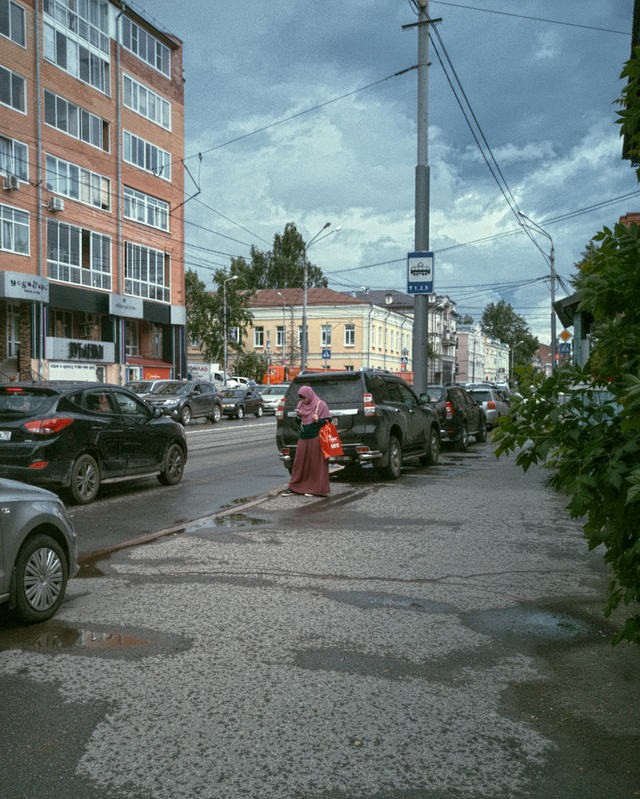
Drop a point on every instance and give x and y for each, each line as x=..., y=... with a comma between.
x=56, y=204
x=11, y=182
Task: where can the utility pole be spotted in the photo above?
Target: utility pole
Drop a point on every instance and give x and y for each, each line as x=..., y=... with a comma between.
x=421, y=301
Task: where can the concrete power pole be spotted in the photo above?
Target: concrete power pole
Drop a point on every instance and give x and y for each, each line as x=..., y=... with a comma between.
x=421, y=307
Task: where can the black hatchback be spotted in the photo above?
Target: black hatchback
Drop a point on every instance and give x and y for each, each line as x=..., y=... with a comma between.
x=75, y=436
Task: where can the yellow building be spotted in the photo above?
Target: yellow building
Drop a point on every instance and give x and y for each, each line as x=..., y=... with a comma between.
x=344, y=332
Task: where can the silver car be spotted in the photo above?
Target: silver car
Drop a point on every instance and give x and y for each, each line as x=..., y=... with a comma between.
x=38, y=551
x=494, y=404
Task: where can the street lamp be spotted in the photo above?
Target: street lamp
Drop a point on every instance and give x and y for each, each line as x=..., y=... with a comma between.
x=226, y=323
x=552, y=269
x=305, y=287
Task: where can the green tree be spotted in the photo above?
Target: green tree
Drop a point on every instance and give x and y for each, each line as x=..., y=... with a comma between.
x=584, y=425
x=501, y=322
x=280, y=267
x=251, y=364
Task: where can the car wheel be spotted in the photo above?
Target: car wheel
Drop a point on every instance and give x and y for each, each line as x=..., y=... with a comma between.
x=433, y=455
x=216, y=415
x=463, y=440
x=240, y=413
x=394, y=460
x=172, y=465
x=85, y=480
x=481, y=435
x=259, y=412
x=41, y=575
x=185, y=415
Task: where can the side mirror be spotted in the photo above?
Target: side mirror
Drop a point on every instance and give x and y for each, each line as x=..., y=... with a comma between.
x=425, y=398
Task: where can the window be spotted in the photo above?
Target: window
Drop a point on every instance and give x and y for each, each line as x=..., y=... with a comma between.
x=60, y=323
x=147, y=156
x=13, y=90
x=77, y=255
x=14, y=230
x=258, y=336
x=75, y=121
x=13, y=330
x=146, y=47
x=85, y=19
x=349, y=335
x=325, y=336
x=281, y=336
x=146, y=272
x=65, y=49
x=146, y=102
x=14, y=158
x=131, y=337
x=78, y=183
x=12, y=22
x=146, y=209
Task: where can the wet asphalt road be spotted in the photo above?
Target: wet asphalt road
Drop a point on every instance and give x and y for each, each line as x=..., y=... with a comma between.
x=439, y=637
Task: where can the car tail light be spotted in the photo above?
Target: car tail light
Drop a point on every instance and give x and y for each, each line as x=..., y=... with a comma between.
x=491, y=406
x=449, y=409
x=46, y=427
x=280, y=409
x=369, y=405
x=39, y=465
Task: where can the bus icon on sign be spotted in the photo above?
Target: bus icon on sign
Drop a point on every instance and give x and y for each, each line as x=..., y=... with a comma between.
x=420, y=269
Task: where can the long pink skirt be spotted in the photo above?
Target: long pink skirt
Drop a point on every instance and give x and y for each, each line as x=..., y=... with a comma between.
x=310, y=473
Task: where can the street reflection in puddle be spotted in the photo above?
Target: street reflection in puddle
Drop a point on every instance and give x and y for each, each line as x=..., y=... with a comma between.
x=97, y=641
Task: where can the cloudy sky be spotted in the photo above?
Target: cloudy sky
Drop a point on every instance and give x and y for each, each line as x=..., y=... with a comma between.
x=296, y=113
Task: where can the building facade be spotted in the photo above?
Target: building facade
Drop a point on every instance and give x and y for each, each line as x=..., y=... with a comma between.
x=91, y=220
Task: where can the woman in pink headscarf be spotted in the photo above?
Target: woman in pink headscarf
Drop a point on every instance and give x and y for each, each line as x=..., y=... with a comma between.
x=310, y=473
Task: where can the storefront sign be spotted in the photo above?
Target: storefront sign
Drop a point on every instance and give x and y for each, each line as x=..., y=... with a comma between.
x=18, y=286
x=72, y=349
x=119, y=305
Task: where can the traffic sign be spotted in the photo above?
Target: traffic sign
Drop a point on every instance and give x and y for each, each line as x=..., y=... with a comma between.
x=564, y=348
x=326, y=354
x=420, y=273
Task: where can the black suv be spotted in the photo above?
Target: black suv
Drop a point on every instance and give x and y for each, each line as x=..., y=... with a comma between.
x=76, y=436
x=380, y=419
x=459, y=414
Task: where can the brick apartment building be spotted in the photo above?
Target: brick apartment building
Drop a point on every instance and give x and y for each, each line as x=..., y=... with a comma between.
x=91, y=192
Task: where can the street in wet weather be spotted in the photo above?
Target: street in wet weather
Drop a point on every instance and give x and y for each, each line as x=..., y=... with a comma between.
x=437, y=637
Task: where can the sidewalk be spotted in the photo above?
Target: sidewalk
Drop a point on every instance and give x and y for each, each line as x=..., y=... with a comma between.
x=438, y=637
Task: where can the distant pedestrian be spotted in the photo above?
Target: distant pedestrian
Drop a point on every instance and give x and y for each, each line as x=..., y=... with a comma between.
x=310, y=473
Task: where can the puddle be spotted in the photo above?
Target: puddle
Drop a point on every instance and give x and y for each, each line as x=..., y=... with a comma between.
x=524, y=622
x=97, y=641
x=225, y=521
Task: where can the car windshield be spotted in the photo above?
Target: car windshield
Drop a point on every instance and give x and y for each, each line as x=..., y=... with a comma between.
x=232, y=393
x=18, y=401
x=272, y=390
x=174, y=387
x=480, y=396
x=140, y=386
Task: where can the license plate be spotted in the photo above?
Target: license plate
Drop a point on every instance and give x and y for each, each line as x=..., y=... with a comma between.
x=5, y=435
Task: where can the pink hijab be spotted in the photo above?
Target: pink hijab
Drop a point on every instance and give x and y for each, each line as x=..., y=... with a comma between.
x=310, y=404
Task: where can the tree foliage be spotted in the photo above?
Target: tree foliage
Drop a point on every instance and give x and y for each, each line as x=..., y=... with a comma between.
x=591, y=443
x=280, y=267
x=501, y=322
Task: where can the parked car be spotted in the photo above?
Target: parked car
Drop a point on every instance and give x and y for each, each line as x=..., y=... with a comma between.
x=494, y=404
x=271, y=396
x=460, y=415
x=144, y=387
x=38, y=551
x=236, y=381
x=238, y=402
x=184, y=401
x=76, y=436
x=380, y=419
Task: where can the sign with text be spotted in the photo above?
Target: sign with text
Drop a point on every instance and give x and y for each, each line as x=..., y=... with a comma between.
x=420, y=273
